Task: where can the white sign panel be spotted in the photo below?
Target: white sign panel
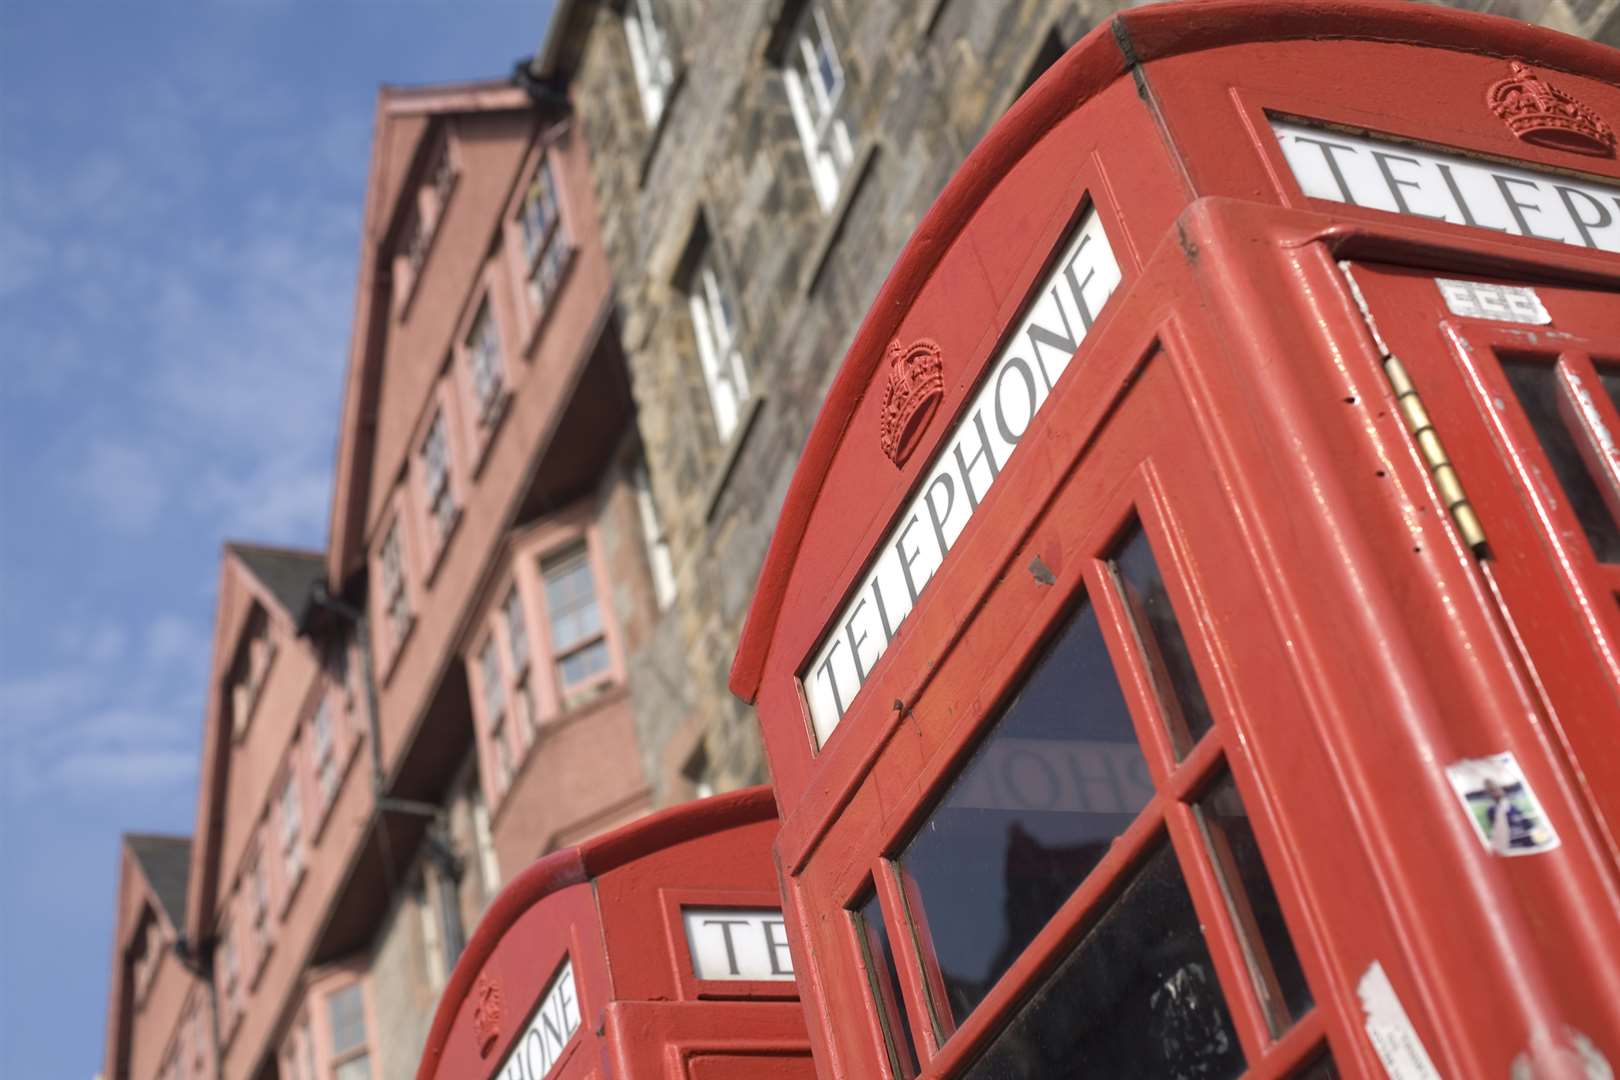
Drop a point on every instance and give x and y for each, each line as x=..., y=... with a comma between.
x=1485, y=300
x=1017, y=384
x=1446, y=186
x=540, y=1046
x=734, y=944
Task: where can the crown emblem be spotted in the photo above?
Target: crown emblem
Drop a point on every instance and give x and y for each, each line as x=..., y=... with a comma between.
x=916, y=385
x=1538, y=112
x=486, y=1015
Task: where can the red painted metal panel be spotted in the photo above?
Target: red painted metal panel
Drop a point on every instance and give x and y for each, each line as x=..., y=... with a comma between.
x=1232, y=406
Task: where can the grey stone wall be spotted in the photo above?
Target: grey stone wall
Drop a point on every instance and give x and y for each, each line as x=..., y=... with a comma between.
x=925, y=81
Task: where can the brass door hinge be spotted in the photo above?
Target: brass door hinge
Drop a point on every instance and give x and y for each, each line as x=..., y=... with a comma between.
x=1434, y=455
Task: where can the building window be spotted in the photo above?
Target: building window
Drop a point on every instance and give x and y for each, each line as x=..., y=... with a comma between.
x=546, y=245
x=494, y=687
x=578, y=641
x=346, y=1012
x=432, y=946
x=483, y=344
x=252, y=668
x=650, y=56
x=659, y=561
x=324, y=745
x=489, y=867
x=815, y=87
x=395, y=603
x=714, y=323
x=292, y=845
x=298, y=1055
x=435, y=455
x=517, y=648
x=229, y=973
x=259, y=909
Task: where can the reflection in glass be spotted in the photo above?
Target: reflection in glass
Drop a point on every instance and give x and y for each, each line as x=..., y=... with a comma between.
x=1321, y=1068
x=1137, y=999
x=1535, y=383
x=1279, y=980
x=883, y=982
x=1058, y=778
x=1160, y=635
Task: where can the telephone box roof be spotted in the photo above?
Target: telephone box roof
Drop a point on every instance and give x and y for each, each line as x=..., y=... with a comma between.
x=577, y=865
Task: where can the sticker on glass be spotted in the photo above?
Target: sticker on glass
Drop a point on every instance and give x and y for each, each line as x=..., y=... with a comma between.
x=1501, y=303
x=1501, y=805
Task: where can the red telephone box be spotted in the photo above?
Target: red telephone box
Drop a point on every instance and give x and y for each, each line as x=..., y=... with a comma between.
x=1191, y=643
x=654, y=951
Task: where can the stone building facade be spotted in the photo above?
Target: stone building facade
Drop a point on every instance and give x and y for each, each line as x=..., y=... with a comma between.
x=713, y=148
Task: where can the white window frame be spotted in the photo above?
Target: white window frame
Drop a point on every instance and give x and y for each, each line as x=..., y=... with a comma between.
x=659, y=560
x=650, y=58
x=258, y=889
x=714, y=325
x=815, y=82
x=432, y=940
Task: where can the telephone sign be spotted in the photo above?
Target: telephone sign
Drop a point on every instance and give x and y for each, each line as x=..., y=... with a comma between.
x=1188, y=645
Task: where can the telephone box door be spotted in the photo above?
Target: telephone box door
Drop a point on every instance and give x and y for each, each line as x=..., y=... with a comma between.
x=1520, y=382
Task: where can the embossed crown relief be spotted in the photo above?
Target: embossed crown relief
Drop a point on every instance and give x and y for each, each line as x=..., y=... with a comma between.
x=1539, y=112
x=916, y=385
x=486, y=1015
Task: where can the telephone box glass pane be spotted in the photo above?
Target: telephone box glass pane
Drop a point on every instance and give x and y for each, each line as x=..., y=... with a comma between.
x=1137, y=999
x=1033, y=811
x=1279, y=980
x=884, y=982
x=1610, y=378
x=1162, y=642
x=1322, y=1068
x=1536, y=384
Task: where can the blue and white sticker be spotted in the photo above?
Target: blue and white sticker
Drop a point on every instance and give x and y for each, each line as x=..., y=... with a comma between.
x=1500, y=804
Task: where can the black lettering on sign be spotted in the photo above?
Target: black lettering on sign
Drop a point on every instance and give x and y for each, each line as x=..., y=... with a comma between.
x=1007, y=434
x=777, y=947
x=1517, y=208
x=965, y=466
x=1328, y=147
x=1395, y=184
x=1585, y=225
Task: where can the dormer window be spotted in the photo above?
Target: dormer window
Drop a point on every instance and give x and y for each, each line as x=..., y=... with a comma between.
x=421, y=224
x=252, y=667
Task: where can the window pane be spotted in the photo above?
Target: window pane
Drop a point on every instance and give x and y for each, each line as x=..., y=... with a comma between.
x=1610, y=379
x=1279, y=980
x=1058, y=779
x=1168, y=658
x=1536, y=386
x=355, y=1069
x=1322, y=1068
x=571, y=599
x=346, y=1009
x=585, y=664
x=878, y=952
x=1137, y=998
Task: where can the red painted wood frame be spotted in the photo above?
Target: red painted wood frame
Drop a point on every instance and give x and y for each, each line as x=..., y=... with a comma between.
x=1232, y=399
x=606, y=907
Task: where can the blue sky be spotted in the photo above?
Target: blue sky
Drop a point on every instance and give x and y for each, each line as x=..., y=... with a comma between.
x=180, y=191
